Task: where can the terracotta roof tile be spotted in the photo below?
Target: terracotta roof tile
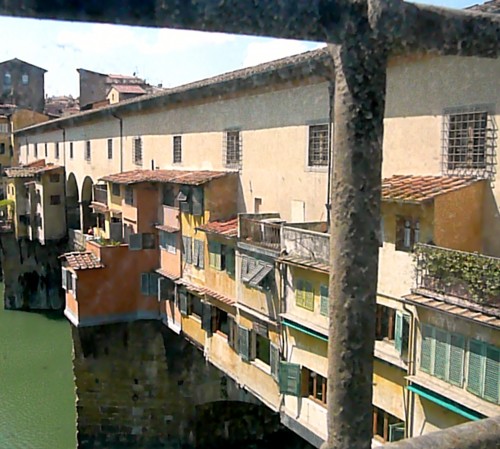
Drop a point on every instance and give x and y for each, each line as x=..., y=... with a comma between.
x=128, y=88
x=167, y=274
x=227, y=228
x=304, y=262
x=27, y=171
x=202, y=290
x=167, y=228
x=417, y=189
x=191, y=177
x=84, y=260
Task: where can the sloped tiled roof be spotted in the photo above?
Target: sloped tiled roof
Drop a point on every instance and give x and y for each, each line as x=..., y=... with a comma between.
x=27, y=171
x=483, y=315
x=84, y=260
x=191, y=177
x=202, y=290
x=167, y=274
x=167, y=228
x=418, y=189
x=304, y=262
x=227, y=228
x=128, y=88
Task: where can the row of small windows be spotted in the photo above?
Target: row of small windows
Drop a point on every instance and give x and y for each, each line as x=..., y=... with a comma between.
x=7, y=79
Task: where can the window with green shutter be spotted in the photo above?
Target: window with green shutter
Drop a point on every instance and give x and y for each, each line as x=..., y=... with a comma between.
x=274, y=355
x=290, y=379
x=299, y=293
x=323, y=309
x=206, y=318
x=398, y=332
x=230, y=264
x=309, y=296
x=492, y=374
x=187, y=248
x=456, y=365
x=197, y=201
x=244, y=343
x=214, y=255
x=199, y=254
x=475, y=372
x=441, y=354
x=427, y=350
x=232, y=337
x=183, y=302
x=145, y=284
x=304, y=295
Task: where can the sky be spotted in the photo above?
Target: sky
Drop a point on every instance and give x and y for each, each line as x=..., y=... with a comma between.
x=169, y=57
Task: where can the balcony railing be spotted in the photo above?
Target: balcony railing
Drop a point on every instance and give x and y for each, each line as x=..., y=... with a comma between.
x=101, y=195
x=260, y=233
x=469, y=276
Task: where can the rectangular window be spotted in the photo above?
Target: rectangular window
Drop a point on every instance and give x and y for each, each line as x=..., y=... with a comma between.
x=55, y=200
x=304, y=295
x=384, y=323
x=129, y=195
x=407, y=233
x=386, y=427
x=263, y=349
x=256, y=273
x=46, y=150
x=2, y=148
x=187, y=248
x=290, y=379
x=483, y=374
x=149, y=284
x=4, y=128
x=316, y=385
x=115, y=189
x=56, y=150
x=56, y=177
x=137, y=242
x=195, y=306
x=137, y=151
x=88, y=151
x=110, y=148
x=71, y=150
x=324, y=300
x=466, y=139
x=232, y=155
x=221, y=322
x=177, y=149
x=35, y=149
x=318, y=146
x=168, y=241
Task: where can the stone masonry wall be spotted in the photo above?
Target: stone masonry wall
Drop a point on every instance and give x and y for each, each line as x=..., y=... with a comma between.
x=31, y=273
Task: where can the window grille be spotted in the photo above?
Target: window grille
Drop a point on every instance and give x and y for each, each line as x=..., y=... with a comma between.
x=110, y=148
x=232, y=149
x=469, y=142
x=71, y=150
x=56, y=150
x=88, y=151
x=177, y=149
x=318, y=146
x=138, y=151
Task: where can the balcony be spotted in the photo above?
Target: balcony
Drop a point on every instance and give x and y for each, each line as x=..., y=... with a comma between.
x=307, y=240
x=470, y=276
x=101, y=195
x=261, y=232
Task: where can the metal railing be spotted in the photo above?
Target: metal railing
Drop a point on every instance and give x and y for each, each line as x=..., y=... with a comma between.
x=470, y=276
x=260, y=233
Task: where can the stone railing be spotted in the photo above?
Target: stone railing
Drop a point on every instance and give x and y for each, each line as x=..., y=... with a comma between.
x=470, y=276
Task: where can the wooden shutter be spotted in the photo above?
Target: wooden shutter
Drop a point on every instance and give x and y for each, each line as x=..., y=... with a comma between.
x=153, y=284
x=398, y=332
x=218, y=256
x=186, y=205
x=232, y=332
x=163, y=287
x=274, y=360
x=309, y=297
x=441, y=354
x=456, y=366
x=145, y=284
x=244, y=343
x=135, y=242
x=476, y=367
x=183, y=302
x=426, y=354
x=64, y=278
x=230, y=260
x=201, y=254
x=289, y=379
x=244, y=266
x=187, y=249
x=206, y=318
x=323, y=307
x=197, y=201
x=196, y=251
x=492, y=374
x=299, y=293
x=400, y=233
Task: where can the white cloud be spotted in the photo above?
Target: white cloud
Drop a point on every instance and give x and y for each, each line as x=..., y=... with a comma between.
x=259, y=52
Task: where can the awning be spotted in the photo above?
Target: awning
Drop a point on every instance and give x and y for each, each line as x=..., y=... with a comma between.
x=303, y=329
x=445, y=402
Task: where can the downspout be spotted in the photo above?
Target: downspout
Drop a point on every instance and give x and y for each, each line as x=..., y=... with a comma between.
x=64, y=143
x=120, y=119
x=411, y=369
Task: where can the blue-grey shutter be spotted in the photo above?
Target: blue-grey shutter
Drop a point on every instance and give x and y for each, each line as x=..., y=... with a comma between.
x=244, y=343
x=218, y=255
x=309, y=296
x=456, y=366
x=206, y=318
x=145, y=284
x=201, y=254
x=289, y=379
x=189, y=250
x=230, y=260
x=195, y=253
x=398, y=332
x=299, y=293
x=197, y=201
x=232, y=332
x=274, y=360
x=396, y=431
x=64, y=278
x=163, y=289
x=183, y=302
x=323, y=308
x=441, y=354
x=153, y=284
x=186, y=205
x=476, y=367
x=492, y=374
x=135, y=242
x=426, y=353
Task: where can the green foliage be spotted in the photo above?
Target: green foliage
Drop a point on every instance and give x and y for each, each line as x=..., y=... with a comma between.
x=459, y=273
x=107, y=242
x=7, y=203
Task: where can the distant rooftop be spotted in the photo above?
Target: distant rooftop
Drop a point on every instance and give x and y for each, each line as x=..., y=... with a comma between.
x=226, y=228
x=82, y=260
x=29, y=170
x=191, y=177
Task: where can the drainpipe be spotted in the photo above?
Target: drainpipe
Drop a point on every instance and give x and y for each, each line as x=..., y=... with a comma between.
x=120, y=119
x=411, y=369
x=64, y=143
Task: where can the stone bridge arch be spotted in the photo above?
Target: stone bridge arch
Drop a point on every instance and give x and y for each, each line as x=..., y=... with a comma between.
x=72, y=202
x=87, y=216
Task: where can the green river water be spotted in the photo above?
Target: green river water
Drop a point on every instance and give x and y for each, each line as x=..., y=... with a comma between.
x=37, y=397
